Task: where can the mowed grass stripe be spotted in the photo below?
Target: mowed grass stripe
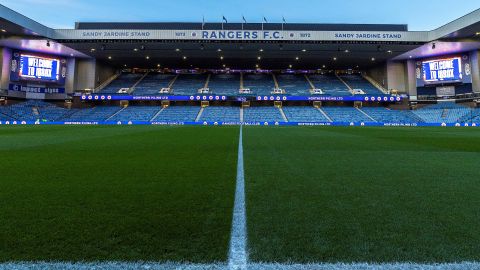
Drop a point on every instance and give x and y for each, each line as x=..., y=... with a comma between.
x=328, y=194
x=117, y=193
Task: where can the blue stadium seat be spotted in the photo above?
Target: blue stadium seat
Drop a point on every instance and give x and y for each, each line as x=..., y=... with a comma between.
x=294, y=84
x=188, y=84
x=220, y=114
x=136, y=113
x=385, y=115
x=262, y=114
x=152, y=84
x=224, y=84
x=356, y=81
x=125, y=80
x=444, y=112
x=178, y=114
x=259, y=84
x=304, y=114
x=330, y=85
x=346, y=114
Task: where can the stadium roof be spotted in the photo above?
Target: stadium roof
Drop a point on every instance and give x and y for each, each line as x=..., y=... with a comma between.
x=237, y=26
x=186, y=45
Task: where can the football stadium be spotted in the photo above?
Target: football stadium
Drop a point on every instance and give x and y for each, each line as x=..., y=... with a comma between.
x=239, y=145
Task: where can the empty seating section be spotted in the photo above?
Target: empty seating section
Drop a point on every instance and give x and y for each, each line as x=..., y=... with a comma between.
x=330, y=85
x=385, y=115
x=259, y=84
x=178, y=114
x=95, y=114
x=346, y=114
x=136, y=113
x=125, y=80
x=294, y=84
x=152, y=84
x=356, y=81
x=188, y=84
x=224, y=84
x=304, y=114
x=220, y=114
x=33, y=110
x=444, y=112
x=262, y=114
x=37, y=110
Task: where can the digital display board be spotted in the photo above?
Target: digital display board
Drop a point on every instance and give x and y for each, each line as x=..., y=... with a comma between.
x=39, y=68
x=442, y=70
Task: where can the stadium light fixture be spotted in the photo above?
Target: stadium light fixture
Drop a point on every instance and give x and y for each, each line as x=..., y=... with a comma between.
x=290, y=66
x=257, y=66
x=477, y=34
x=219, y=50
x=147, y=57
x=304, y=50
x=324, y=66
x=92, y=49
x=347, y=51
x=259, y=58
x=334, y=58
x=158, y=65
x=221, y=57
x=224, y=65
x=297, y=58
x=135, y=50
x=71, y=54
x=4, y=31
x=261, y=50
x=177, y=49
x=389, y=51
x=373, y=58
x=110, y=58
x=184, y=58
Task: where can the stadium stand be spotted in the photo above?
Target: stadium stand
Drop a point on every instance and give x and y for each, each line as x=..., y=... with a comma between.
x=294, y=84
x=178, y=114
x=189, y=84
x=330, y=85
x=443, y=112
x=152, y=84
x=346, y=114
x=33, y=110
x=125, y=80
x=224, y=84
x=262, y=114
x=220, y=114
x=356, y=81
x=136, y=113
x=99, y=113
x=259, y=84
x=304, y=114
x=384, y=115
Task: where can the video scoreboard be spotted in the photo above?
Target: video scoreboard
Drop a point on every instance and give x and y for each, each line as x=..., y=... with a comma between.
x=443, y=71
x=29, y=67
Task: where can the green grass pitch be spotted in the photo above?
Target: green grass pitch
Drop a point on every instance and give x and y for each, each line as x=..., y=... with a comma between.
x=343, y=194
x=116, y=193
x=314, y=194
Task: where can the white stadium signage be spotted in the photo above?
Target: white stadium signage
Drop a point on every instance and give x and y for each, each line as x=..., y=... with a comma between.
x=241, y=35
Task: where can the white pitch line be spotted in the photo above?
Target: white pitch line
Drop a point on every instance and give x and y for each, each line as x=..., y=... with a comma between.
x=108, y=266
x=238, y=242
